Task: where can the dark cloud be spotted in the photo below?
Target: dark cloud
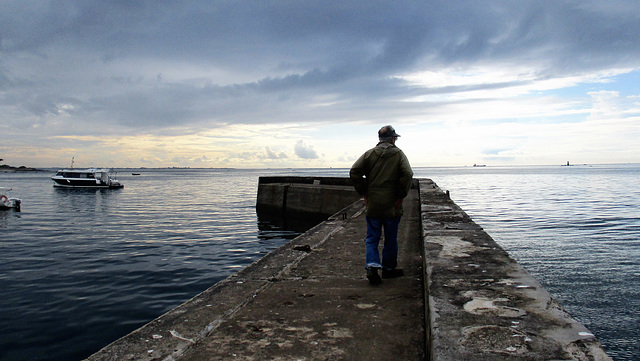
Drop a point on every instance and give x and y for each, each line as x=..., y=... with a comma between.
x=154, y=64
x=378, y=35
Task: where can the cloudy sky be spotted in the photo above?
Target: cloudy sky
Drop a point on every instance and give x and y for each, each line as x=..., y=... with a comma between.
x=126, y=83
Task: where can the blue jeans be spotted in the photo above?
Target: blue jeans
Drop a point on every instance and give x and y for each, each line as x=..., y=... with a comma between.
x=390, y=250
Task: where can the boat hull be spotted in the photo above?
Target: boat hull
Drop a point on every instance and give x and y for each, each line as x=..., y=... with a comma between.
x=67, y=183
x=10, y=203
x=89, y=187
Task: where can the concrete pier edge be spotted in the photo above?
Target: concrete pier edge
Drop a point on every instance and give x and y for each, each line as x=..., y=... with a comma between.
x=168, y=336
x=481, y=304
x=478, y=303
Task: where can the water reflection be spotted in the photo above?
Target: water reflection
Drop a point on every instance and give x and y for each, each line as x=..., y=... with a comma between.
x=278, y=224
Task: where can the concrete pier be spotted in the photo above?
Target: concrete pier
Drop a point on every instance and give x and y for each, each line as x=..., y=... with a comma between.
x=462, y=298
x=482, y=305
x=304, y=196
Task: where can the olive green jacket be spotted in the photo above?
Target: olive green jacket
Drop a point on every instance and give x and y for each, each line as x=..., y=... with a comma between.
x=383, y=175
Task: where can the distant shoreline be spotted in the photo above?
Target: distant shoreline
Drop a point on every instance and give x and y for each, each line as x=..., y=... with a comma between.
x=8, y=168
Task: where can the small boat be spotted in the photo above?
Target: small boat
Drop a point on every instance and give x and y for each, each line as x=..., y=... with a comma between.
x=85, y=178
x=7, y=202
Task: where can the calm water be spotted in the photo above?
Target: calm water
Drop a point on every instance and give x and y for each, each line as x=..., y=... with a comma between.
x=576, y=229
x=79, y=269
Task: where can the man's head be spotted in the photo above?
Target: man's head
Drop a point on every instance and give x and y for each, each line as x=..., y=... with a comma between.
x=387, y=134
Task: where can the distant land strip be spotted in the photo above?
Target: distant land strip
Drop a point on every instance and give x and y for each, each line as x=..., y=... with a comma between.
x=9, y=168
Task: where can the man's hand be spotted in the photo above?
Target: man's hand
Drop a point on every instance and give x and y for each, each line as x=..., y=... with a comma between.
x=398, y=203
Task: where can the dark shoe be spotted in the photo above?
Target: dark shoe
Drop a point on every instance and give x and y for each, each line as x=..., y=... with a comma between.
x=392, y=273
x=373, y=276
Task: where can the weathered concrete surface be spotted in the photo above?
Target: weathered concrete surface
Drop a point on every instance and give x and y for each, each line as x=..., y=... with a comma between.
x=481, y=304
x=304, y=195
x=299, y=305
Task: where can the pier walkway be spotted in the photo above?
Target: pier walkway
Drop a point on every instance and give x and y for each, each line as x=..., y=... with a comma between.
x=322, y=307
x=309, y=300
x=462, y=298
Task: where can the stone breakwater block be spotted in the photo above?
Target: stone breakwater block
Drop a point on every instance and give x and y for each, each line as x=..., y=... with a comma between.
x=304, y=196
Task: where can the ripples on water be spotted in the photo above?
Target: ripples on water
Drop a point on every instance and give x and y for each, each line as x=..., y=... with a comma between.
x=576, y=229
x=79, y=269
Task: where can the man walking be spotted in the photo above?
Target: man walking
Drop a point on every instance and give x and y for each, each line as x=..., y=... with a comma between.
x=382, y=175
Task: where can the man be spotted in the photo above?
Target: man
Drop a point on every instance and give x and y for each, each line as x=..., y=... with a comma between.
x=382, y=175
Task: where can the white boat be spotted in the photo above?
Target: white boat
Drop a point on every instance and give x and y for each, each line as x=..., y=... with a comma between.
x=85, y=178
x=7, y=202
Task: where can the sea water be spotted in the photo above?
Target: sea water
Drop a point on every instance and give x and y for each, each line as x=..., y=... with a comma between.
x=81, y=268
x=575, y=228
